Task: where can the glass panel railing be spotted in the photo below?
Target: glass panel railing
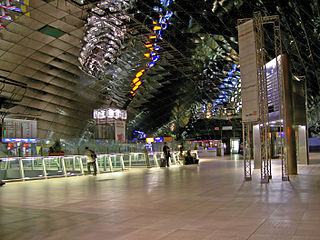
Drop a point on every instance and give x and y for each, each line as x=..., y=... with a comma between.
x=32, y=167
x=138, y=159
x=116, y=163
x=10, y=168
x=54, y=166
x=103, y=163
x=72, y=165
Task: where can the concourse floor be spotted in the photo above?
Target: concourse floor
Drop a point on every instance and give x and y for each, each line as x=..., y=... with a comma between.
x=209, y=201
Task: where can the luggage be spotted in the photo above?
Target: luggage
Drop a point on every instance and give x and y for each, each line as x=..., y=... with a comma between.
x=162, y=162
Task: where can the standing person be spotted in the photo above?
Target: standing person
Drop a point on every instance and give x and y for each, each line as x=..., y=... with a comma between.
x=166, y=152
x=91, y=155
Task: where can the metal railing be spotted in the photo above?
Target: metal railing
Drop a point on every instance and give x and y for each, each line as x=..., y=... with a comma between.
x=27, y=168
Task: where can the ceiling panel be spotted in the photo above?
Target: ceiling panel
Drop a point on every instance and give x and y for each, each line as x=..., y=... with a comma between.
x=30, y=43
x=41, y=16
x=44, y=38
x=63, y=26
x=13, y=58
x=22, y=50
x=47, y=49
x=17, y=28
x=52, y=11
x=60, y=44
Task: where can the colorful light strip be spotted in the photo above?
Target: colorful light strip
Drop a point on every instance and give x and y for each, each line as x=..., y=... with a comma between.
x=152, y=46
x=8, y=7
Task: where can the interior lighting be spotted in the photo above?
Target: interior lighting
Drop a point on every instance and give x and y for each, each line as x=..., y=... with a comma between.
x=156, y=28
x=147, y=55
x=138, y=83
x=139, y=74
x=152, y=37
x=135, y=88
x=148, y=45
x=135, y=80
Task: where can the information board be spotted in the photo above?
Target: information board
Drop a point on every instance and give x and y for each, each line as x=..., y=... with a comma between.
x=18, y=128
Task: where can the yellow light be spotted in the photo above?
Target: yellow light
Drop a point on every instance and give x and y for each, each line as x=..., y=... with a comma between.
x=154, y=22
x=139, y=74
x=155, y=28
x=135, y=88
x=148, y=45
x=138, y=83
x=131, y=92
x=149, y=140
x=147, y=55
x=152, y=37
x=135, y=80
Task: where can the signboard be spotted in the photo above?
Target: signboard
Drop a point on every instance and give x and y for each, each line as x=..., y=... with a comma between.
x=149, y=140
x=273, y=83
x=248, y=68
x=109, y=113
x=158, y=139
x=120, y=130
x=19, y=129
x=30, y=140
x=168, y=139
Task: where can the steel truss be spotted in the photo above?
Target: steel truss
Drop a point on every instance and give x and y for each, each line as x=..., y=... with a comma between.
x=263, y=96
x=246, y=133
x=281, y=97
x=263, y=100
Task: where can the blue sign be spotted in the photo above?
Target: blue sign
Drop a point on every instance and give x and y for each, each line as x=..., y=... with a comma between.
x=31, y=140
x=158, y=139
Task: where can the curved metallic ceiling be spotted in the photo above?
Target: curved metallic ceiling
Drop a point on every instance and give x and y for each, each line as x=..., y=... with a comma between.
x=41, y=55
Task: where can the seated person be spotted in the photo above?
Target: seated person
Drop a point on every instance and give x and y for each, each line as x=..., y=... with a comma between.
x=188, y=158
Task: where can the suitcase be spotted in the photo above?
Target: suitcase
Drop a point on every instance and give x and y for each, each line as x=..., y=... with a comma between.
x=162, y=162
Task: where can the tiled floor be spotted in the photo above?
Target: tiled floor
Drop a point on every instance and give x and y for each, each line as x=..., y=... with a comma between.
x=210, y=201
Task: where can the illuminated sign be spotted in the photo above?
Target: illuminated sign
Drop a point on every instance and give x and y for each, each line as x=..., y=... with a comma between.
x=19, y=129
x=31, y=140
x=149, y=140
x=109, y=113
x=168, y=139
x=158, y=139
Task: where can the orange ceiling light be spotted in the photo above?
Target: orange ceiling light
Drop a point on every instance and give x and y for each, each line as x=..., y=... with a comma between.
x=147, y=55
x=152, y=37
x=148, y=45
x=135, y=88
x=139, y=74
x=138, y=83
x=155, y=28
x=135, y=80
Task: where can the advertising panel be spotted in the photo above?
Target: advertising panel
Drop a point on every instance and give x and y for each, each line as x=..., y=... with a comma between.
x=120, y=130
x=248, y=68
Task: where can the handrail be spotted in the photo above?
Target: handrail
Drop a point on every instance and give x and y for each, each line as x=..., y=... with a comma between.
x=43, y=167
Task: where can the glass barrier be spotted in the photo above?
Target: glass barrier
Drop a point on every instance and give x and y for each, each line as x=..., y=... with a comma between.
x=24, y=168
x=32, y=167
x=10, y=169
x=72, y=165
x=53, y=166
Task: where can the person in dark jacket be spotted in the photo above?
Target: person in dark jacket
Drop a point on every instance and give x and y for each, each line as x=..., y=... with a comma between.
x=189, y=159
x=91, y=160
x=166, y=152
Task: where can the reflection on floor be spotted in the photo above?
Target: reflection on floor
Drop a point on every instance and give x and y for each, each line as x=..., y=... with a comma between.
x=209, y=201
